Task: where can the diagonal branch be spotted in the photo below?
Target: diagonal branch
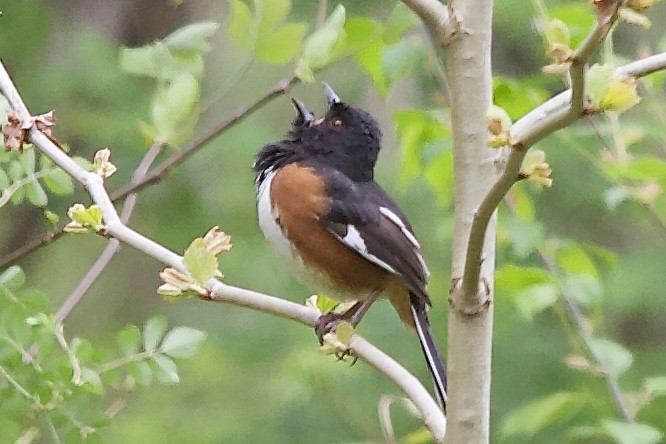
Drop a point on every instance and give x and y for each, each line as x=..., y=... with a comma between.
x=167, y=165
x=582, y=330
x=113, y=246
x=238, y=116
x=220, y=292
x=573, y=110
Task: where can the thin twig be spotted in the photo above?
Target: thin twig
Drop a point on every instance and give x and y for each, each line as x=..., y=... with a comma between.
x=582, y=331
x=239, y=115
x=155, y=175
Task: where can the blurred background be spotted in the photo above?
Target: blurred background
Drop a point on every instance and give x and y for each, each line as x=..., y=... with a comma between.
x=259, y=378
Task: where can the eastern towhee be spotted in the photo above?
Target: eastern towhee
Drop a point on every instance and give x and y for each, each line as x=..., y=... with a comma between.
x=322, y=211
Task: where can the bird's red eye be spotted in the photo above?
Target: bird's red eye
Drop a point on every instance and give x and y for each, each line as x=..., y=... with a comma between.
x=336, y=124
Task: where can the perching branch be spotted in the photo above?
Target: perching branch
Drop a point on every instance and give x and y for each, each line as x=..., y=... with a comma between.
x=167, y=165
x=113, y=245
x=219, y=292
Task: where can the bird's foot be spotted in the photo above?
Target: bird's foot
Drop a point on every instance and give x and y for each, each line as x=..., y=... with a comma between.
x=334, y=333
x=327, y=323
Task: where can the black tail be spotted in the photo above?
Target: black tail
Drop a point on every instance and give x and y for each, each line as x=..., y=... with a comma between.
x=432, y=356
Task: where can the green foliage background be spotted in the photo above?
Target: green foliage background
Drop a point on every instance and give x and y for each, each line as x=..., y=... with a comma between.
x=261, y=379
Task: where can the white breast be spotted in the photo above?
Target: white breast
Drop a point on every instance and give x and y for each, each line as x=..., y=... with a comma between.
x=268, y=216
x=273, y=233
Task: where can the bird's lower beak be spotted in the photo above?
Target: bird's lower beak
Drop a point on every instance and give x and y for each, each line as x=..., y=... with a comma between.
x=305, y=116
x=331, y=96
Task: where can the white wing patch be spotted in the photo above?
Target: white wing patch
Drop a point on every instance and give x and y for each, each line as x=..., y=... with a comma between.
x=390, y=215
x=354, y=241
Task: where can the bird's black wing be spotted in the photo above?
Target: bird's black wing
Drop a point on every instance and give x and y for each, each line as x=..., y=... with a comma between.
x=364, y=218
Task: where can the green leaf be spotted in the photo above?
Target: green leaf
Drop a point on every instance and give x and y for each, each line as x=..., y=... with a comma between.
x=556, y=31
x=318, y=47
x=174, y=108
x=596, y=82
x=602, y=256
x=631, y=433
x=191, y=39
x=516, y=98
x=281, y=47
x=643, y=168
x=92, y=380
x=370, y=61
x=88, y=217
x=578, y=17
x=615, y=358
x=15, y=170
x=153, y=331
x=266, y=35
x=129, y=339
x=574, y=260
x=398, y=59
x=656, y=386
x=324, y=303
x=143, y=61
x=58, y=182
x=166, y=370
x=240, y=25
x=344, y=332
x=616, y=195
x=535, y=299
x=540, y=414
x=525, y=235
x=522, y=203
x=182, y=342
x=36, y=194
x=359, y=33
x=178, y=54
x=141, y=372
x=513, y=278
x=201, y=264
x=583, y=288
x=401, y=20
x=416, y=129
x=27, y=161
x=439, y=174
x=4, y=180
x=13, y=277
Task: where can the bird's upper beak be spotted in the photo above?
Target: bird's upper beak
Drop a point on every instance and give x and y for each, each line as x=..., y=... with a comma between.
x=305, y=116
x=331, y=96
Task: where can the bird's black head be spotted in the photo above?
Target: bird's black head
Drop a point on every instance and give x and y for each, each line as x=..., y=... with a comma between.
x=346, y=138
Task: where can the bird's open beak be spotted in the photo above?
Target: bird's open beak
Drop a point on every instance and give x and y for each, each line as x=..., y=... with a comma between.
x=305, y=116
x=331, y=96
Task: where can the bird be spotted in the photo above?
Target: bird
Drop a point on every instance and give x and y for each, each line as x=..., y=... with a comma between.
x=340, y=232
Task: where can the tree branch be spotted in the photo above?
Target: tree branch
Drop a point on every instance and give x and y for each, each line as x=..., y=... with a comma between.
x=437, y=17
x=158, y=173
x=519, y=147
x=582, y=331
x=276, y=90
x=220, y=292
x=113, y=246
